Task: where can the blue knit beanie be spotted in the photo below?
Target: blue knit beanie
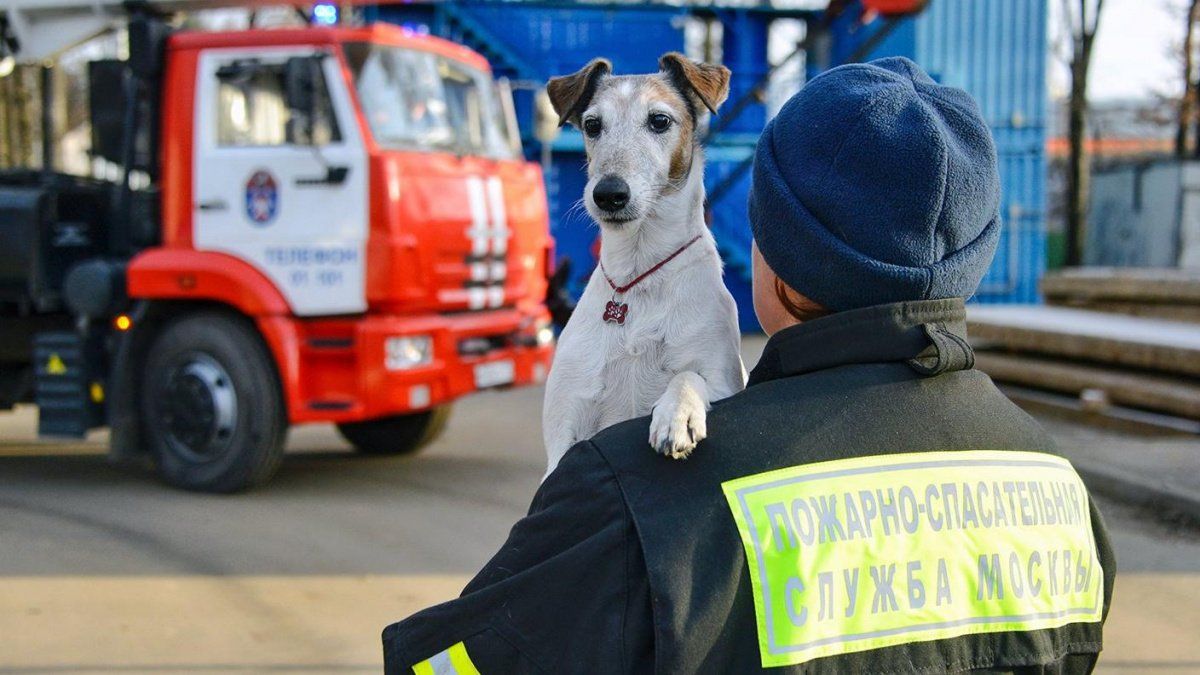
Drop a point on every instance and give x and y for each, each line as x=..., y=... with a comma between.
x=875, y=184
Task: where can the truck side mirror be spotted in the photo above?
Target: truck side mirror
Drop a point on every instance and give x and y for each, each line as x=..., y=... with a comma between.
x=545, y=124
x=301, y=80
x=147, y=38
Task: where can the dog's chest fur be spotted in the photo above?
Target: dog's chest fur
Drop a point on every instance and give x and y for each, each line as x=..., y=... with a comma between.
x=623, y=369
x=634, y=372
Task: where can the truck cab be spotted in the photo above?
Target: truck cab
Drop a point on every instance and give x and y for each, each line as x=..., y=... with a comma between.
x=336, y=225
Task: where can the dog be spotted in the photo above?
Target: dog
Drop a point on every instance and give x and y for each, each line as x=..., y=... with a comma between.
x=655, y=331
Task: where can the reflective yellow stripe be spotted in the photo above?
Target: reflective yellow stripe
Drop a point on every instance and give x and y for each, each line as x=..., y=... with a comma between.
x=869, y=552
x=453, y=661
x=462, y=661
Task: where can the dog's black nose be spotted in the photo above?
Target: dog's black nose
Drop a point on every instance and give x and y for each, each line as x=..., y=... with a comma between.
x=611, y=193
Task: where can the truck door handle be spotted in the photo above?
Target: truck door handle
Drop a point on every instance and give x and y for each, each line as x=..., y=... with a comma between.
x=212, y=205
x=334, y=175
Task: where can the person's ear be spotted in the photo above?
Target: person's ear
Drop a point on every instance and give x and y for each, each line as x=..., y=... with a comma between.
x=706, y=83
x=571, y=94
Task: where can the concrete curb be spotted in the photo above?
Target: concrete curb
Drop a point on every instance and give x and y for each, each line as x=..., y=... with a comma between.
x=1139, y=490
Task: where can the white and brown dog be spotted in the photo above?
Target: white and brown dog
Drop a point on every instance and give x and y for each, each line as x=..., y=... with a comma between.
x=655, y=331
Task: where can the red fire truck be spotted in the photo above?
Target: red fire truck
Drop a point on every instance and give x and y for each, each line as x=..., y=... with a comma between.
x=312, y=225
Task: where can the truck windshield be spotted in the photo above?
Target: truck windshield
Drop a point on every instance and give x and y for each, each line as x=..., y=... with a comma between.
x=421, y=101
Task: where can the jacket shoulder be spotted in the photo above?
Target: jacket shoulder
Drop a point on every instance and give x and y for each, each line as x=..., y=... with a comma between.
x=555, y=593
x=852, y=410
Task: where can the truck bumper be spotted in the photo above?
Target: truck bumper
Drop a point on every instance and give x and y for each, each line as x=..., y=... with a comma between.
x=341, y=372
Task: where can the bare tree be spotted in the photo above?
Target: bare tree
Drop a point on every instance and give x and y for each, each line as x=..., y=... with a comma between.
x=1081, y=19
x=1187, y=101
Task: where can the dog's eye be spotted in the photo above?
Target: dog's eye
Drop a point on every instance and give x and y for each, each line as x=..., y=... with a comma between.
x=591, y=127
x=659, y=122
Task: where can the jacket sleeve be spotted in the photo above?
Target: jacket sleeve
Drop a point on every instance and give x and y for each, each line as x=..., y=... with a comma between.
x=1104, y=552
x=551, y=599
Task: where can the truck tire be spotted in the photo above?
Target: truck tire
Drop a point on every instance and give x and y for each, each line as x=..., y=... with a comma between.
x=214, y=415
x=398, y=434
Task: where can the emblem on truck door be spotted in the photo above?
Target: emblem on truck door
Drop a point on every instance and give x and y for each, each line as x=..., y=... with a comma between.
x=262, y=197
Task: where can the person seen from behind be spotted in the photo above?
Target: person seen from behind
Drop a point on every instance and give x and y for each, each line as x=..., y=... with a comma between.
x=870, y=503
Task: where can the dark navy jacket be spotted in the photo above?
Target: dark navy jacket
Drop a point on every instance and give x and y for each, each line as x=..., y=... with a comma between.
x=631, y=562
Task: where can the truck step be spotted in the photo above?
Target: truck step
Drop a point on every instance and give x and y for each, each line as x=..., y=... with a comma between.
x=68, y=403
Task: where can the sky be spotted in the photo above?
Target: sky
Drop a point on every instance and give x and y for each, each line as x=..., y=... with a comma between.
x=1135, y=49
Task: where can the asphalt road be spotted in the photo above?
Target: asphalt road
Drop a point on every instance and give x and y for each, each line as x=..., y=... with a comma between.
x=103, y=570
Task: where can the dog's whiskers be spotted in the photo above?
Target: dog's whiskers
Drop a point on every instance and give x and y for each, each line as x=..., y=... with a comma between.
x=577, y=207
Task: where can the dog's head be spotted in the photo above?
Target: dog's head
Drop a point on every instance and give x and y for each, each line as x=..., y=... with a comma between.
x=640, y=131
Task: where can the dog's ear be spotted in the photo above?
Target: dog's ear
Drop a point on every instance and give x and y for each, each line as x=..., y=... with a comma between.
x=709, y=84
x=571, y=94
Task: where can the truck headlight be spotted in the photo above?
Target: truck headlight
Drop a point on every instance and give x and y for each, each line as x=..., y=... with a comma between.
x=545, y=334
x=407, y=351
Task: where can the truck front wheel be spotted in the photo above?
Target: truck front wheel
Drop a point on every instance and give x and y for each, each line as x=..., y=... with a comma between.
x=214, y=415
x=398, y=434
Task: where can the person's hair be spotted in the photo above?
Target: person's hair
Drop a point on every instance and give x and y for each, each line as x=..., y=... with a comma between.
x=800, y=311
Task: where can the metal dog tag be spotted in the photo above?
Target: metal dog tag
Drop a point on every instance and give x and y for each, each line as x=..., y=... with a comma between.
x=615, y=312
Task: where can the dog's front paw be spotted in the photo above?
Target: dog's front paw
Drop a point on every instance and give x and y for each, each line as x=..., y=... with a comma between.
x=678, y=423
